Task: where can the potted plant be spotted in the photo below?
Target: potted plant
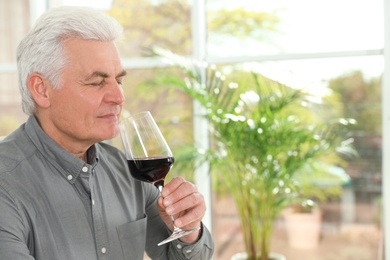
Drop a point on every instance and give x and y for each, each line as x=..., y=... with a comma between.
x=258, y=143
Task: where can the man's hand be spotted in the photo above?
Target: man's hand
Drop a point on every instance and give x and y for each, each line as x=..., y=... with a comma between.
x=181, y=199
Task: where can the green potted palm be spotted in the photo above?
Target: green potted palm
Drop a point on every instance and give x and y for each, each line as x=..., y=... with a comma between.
x=258, y=143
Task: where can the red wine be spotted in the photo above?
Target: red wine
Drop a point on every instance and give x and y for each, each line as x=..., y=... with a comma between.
x=151, y=169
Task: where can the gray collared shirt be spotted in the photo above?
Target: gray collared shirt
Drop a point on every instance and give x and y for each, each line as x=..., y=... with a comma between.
x=54, y=206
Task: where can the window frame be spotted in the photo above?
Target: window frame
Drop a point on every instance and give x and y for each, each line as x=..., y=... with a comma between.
x=199, y=53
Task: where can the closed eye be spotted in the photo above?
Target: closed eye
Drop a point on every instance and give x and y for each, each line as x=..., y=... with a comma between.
x=98, y=84
x=120, y=77
x=98, y=78
x=119, y=81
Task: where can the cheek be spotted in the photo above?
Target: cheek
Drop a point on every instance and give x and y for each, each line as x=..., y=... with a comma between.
x=75, y=108
x=72, y=109
x=83, y=103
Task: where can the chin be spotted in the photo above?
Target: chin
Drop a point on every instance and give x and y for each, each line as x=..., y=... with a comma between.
x=111, y=133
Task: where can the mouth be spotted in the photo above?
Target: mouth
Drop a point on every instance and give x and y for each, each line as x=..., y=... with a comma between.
x=110, y=117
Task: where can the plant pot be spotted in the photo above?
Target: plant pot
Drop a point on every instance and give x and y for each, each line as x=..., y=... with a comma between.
x=303, y=229
x=244, y=256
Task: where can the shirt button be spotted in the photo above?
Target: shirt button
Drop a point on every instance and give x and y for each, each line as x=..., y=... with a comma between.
x=179, y=246
x=104, y=250
x=70, y=177
x=93, y=202
x=85, y=169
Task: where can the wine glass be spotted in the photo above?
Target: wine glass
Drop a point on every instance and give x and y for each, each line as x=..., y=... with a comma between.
x=149, y=156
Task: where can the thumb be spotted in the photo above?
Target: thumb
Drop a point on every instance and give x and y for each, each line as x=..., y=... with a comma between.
x=160, y=205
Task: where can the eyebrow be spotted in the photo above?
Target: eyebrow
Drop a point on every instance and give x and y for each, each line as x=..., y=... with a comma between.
x=121, y=74
x=102, y=74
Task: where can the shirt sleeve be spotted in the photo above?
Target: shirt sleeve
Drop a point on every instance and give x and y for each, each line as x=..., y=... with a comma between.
x=202, y=249
x=13, y=234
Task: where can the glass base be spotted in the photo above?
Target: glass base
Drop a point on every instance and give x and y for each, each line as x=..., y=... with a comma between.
x=177, y=233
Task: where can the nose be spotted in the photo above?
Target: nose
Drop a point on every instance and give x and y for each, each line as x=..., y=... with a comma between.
x=115, y=94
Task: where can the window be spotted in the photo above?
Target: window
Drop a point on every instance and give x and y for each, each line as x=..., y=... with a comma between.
x=322, y=46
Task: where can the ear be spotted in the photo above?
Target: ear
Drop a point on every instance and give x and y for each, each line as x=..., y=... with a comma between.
x=38, y=86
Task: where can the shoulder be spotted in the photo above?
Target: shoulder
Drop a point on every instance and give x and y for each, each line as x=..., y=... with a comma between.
x=14, y=149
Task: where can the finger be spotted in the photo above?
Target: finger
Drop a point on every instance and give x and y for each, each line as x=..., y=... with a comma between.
x=184, y=203
x=160, y=205
x=189, y=211
x=178, y=191
x=192, y=217
x=173, y=185
x=163, y=214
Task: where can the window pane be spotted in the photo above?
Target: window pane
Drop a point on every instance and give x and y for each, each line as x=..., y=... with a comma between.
x=285, y=26
x=11, y=114
x=166, y=24
x=14, y=23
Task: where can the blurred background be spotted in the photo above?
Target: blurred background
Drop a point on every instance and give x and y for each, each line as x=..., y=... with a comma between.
x=332, y=49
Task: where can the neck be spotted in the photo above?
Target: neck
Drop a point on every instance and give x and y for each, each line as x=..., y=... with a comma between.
x=74, y=146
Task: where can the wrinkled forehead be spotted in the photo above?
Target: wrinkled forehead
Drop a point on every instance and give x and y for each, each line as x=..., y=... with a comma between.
x=92, y=55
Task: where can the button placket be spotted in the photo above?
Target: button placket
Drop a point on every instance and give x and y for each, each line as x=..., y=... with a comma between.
x=98, y=223
x=92, y=193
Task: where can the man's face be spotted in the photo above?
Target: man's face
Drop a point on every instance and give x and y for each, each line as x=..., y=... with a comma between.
x=86, y=108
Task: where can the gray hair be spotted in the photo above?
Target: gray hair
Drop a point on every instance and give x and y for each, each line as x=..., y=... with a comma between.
x=41, y=51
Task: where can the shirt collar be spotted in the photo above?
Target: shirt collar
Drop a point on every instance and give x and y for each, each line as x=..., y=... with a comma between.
x=65, y=162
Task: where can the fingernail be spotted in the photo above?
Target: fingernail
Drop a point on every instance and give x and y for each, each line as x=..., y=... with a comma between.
x=178, y=223
x=169, y=210
x=167, y=202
